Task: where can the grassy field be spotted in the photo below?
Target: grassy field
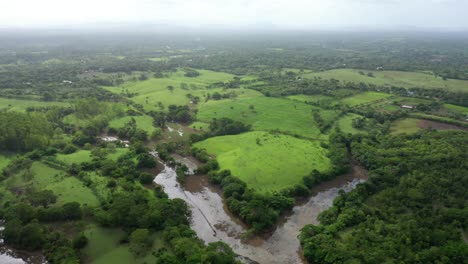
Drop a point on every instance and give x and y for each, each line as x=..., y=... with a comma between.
x=152, y=91
x=364, y=98
x=5, y=158
x=76, y=157
x=143, y=122
x=456, y=109
x=41, y=176
x=267, y=114
x=200, y=126
x=310, y=98
x=394, y=78
x=345, y=124
x=21, y=105
x=85, y=156
x=407, y=125
x=276, y=162
x=104, y=247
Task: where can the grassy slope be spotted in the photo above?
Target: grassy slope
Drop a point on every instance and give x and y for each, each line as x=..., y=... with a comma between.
x=143, y=122
x=104, y=247
x=345, y=124
x=21, y=105
x=268, y=114
x=456, y=108
x=364, y=98
x=76, y=157
x=395, y=78
x=278, y=162
x=67, y=188
x=154, y=90
x=309, y=98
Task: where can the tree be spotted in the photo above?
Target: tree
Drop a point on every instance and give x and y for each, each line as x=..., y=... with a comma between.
x=72, y=211
x=42, y=198
x=170, y=88
x=140, y=242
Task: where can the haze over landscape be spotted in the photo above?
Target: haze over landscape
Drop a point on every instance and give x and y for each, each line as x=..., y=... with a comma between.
x=281, y=14
x=233, y=132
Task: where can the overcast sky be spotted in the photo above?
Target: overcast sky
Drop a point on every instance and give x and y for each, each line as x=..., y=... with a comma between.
x=300, y=14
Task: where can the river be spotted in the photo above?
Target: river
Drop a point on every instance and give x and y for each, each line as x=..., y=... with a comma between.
x=212, y=221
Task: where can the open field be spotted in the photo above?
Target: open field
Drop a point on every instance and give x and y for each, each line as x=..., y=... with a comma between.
x=76, y=157
x=104, y=247
x=143, y=122
x=276, y=162
x=22, y=105
x=364, y=98
x=345, y=124
x=41, y=176
x=264, y=113
x=201, y=126
x=407, y=125
x=152, y=91
x=456, y=109
x=310, y=98
x=412, y=125
x=4, y=160
x=393, y=78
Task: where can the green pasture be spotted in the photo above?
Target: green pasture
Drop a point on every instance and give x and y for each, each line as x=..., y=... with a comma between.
x=310, y=98
x=143, y=122
x=456, y=109
x=104, y=247
x=154, y=90
x=22, y=105
x=393, y=78
x=267, y=162
x=407, y=125
x=264, y=113
x=345, y=123
x=41, y=176
x=76, y=157
x=364, y=98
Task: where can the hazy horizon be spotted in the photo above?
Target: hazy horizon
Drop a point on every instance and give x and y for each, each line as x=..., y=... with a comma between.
x=442, y=15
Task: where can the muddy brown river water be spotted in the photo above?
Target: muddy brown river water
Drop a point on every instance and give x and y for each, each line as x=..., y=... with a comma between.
x=212, y=221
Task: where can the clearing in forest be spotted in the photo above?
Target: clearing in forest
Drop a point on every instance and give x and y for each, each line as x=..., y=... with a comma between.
x=158, y=93
x=265, y=114
x=267, y=162
x=364, y=98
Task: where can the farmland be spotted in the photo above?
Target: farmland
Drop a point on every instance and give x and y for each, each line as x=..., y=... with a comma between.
x=393, y=78
x=22, y=105
x=285, y=115
x=275, y=162
x=364, y=98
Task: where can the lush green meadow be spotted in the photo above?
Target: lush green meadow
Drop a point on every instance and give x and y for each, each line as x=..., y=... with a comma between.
x=41, y=176
x=364, y=98
x=153, y=91
x=393, y=78
x=22, y=105
x=264, y=113
x=345, y=124
x=456, y=109
x=407, y=125
x=143, y=122
x=267, y=162
x=104, y=247
x=310, y=98
x=76, y=157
